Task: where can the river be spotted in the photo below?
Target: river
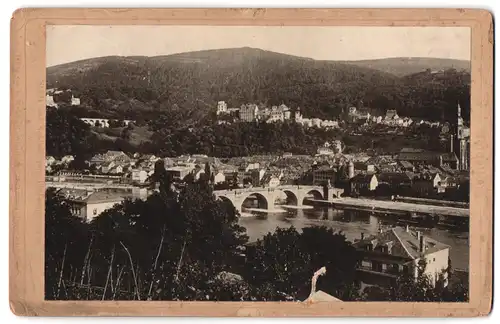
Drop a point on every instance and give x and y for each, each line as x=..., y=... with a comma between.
x=352, y=224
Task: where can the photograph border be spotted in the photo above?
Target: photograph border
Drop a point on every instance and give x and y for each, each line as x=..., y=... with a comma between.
x=27, y=151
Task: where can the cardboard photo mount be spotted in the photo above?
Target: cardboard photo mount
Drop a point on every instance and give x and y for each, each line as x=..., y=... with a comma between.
x=27, y=152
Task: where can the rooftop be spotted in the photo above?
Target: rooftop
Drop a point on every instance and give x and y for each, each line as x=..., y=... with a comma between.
x=449, y=157
x=95, y=197
x=362, y=177
x=418, y=156
x=393, y=177
x=406, y=164
x=179, y=168
x=405, y=243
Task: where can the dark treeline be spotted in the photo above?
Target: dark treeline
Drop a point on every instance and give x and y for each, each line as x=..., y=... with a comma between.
x=140, y=87
x=68, y=135
x=239, y=139
x=186, y=245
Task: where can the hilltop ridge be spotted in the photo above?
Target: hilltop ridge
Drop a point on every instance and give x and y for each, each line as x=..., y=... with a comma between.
x=140, y=86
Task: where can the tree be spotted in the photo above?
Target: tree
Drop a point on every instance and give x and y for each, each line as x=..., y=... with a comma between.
x=286, y=260
x=65, y=242
x=78, y=163
x=66, y=134
x=169, y=247
x=421, y=289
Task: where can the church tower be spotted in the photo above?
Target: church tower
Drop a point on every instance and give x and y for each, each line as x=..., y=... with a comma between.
x=463, y=137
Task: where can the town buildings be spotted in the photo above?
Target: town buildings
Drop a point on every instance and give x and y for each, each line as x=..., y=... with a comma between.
x=139, y=176
x=356, y=115
x=52, y=98
x=363, y=183
x=335, y=147
x=180, y=172
x=324, y=174
x=104, y=122
x=421, y=157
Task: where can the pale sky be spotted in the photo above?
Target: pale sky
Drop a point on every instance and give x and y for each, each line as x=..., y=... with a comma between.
x=77, y=42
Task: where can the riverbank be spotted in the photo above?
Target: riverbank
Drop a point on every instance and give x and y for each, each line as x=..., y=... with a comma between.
x=393, y=206
x=352, y=223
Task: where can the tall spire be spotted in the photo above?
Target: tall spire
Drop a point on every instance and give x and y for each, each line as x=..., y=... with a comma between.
x=460, y=121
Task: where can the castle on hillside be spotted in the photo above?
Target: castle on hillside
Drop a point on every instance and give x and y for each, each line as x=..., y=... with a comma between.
x=252, y=112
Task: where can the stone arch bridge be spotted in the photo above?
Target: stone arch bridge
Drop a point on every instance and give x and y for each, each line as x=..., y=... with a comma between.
x=266, y=197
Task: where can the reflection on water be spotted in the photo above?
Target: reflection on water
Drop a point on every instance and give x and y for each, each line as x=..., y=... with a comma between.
x=352, y=224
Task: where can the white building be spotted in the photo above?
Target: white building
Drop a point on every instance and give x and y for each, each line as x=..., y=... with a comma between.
x=118, y=169
x=139, y=176
x=306, y=122
x=93, y=205
x=219, y=177
x=107, y=167
x=75, y=101
x=179, y=172
x=298, y=116
x=316, y=122
x=274, y=182
x=49, y=101
x=67, y=159
x=398, y=251
x=337, y=146
x=49, y=160
x=326, y=149
x=102, y=122
x=329, y=124
x=221, y=108
x=277, y=114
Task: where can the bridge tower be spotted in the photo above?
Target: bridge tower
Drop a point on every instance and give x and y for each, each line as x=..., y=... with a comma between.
x=351, y=169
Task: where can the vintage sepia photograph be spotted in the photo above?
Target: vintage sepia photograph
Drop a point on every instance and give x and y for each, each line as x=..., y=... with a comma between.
x=257, y=163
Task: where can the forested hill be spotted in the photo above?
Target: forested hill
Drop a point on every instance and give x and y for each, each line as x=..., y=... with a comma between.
x=402, y=66
x=192, y=83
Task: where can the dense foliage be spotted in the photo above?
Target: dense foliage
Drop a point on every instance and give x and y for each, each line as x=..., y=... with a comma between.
x=286, y=259
x=142, y=87
x=170, y=246
x=186, y=245
x=182, y=245
x=241, y=139
x=170, y=136
x=168, y=249
x=407, y=290
x=66, y=134
x=401, y=66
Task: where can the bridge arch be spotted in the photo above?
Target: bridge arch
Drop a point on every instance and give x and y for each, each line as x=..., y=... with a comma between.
x=291, y=197
x=313, y=193
x=262, y=201
x=227, y=201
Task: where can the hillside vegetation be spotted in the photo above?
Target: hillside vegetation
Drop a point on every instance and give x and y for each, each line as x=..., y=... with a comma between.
x=402, y=66
x=192, y=83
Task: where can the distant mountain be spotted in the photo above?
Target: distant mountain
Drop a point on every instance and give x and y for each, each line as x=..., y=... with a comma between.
x=401, y=66
x=191, y=84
